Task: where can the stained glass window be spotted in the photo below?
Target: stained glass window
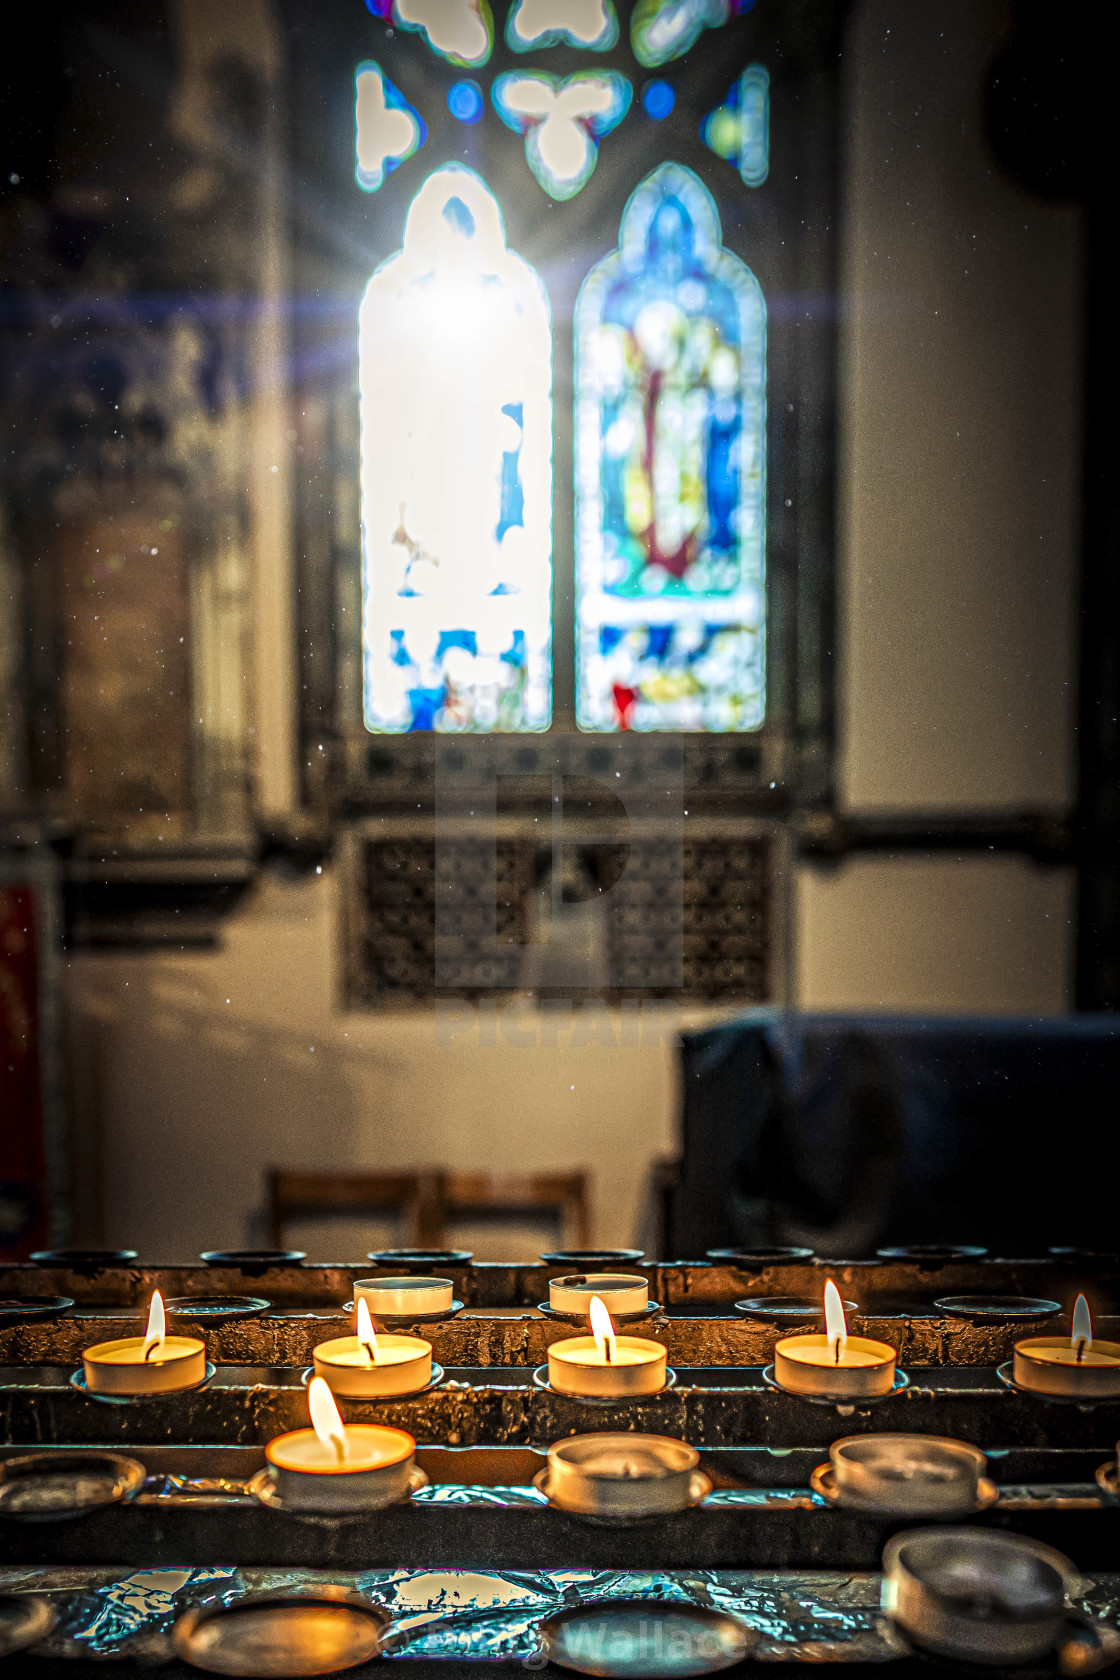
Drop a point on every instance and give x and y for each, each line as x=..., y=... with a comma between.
x=386, y=128
x=562, y=121
x=590, y=24
x=661, y=30
x=739, y=129
x=455, y=353
x=462, y=31
x=670, y=466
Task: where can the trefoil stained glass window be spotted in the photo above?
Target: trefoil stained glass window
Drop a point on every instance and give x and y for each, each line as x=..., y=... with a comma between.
x=670, y=382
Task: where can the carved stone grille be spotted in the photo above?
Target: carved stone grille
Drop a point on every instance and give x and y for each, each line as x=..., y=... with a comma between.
x=727, y=918
x=394, y=959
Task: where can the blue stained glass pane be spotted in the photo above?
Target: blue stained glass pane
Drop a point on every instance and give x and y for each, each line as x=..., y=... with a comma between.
x=465, y=102
x=658, y=100
x=670, y=473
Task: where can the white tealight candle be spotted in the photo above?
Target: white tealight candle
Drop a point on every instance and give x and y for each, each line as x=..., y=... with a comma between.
x=1076, y=1367
x=606, y=1366
x=834, y=1365
x=155, y=1363
x=368, y=1366
x=401, y=1297
x=623, y=1294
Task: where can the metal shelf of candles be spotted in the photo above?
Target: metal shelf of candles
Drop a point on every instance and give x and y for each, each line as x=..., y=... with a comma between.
x=500, y=1406
x=917, y=1276
x=753, y=1432
x=204, y=1505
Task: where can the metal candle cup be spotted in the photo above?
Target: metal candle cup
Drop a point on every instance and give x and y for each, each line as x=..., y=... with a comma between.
x=807, y=1365
x=623, y=1476
x=577, y=1366
x=919, y=1475
x=834, y=1366
x=976, y=1595
x=155, y=1363
x=400, y=1297
x=309, y=1476
x=622, y=1293
x=119, y=1367
x=1048, y=1365
x=403, y=1364
x=1075, y=1367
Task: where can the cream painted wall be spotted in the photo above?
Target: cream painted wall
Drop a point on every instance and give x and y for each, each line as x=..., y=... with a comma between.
x=959, y=424
x=202, y=1069
x=959, y=449
x=983, y=936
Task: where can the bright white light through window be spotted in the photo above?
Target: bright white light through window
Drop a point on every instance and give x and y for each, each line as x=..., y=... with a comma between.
x=455, y=359
x=459, y=30
x=550, y=23
x=562, y=122
x=387, y=128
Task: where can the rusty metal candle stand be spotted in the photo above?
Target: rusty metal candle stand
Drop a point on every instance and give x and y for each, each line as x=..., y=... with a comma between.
x=482, y=1433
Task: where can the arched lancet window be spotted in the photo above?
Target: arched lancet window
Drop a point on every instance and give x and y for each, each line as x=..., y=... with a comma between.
x=455, y=353
x=670, y=382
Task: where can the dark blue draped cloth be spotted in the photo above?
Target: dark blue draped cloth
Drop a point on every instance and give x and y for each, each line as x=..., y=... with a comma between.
x=847, y=1132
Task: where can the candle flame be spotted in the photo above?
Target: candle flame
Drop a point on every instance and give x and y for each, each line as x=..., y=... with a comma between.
x=324, y=1417
x=157, y=1327
x=835, y=1324
x=602, y=1329
x=365, y=1332
x=1082, y=1331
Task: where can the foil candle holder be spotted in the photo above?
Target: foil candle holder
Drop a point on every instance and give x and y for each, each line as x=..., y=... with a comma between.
x=154, y=1363
x=1073, y=1367
x=625, y=1295
x=834, y=1365
x=335, y=1467
x=367, y=1366
x=906, y=1475
x=976, y=1595
x=321, y=1630
x=623, y=1478
x=604, y=1366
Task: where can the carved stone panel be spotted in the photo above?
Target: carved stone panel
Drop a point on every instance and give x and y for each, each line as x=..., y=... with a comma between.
x=729, y=902
x=124, y=627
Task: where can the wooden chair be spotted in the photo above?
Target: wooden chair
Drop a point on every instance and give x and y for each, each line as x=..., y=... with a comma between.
x=415, y=1197
x=559, y=1196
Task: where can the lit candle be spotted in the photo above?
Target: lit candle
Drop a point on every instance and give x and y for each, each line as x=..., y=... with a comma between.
x=154, y=1363
x=621, y=1293
x=834, y=1365
x=336, y=1466
x=366, y=1366
x=606, y=1366
x=1079, y=1366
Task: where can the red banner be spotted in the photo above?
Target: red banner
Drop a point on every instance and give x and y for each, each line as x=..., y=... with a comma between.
x=23, y=1184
